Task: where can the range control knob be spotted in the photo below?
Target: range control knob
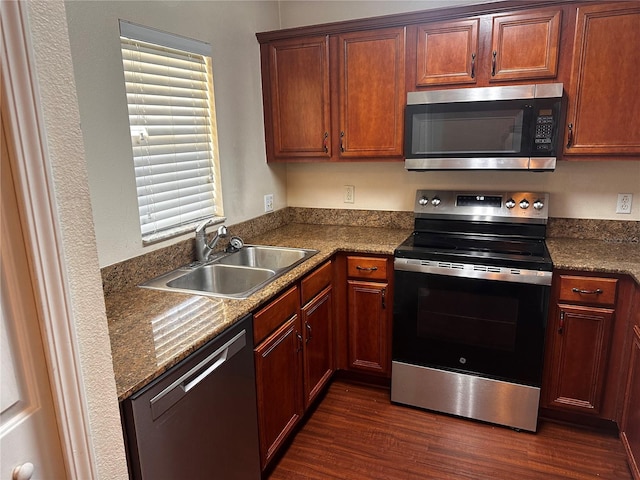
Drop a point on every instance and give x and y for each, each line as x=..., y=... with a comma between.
x=423, y=201
x=510, y=203
x=524, y=203
x=538, y=204
x=435, y=201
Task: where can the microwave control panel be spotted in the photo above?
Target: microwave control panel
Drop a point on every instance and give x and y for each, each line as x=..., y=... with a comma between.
x=544, y=131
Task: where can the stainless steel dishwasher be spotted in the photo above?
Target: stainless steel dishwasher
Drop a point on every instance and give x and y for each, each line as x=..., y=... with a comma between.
x=199, y=419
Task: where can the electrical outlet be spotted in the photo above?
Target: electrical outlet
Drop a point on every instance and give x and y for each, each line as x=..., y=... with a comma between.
x=349, y=193
x=268, y=202
x=624, y=203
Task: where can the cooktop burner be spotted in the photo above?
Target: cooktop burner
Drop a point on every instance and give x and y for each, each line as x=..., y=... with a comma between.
x=530, y=254
x=492, y=229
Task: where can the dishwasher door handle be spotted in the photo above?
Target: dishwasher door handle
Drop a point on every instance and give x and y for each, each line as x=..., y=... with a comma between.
x=178, y=389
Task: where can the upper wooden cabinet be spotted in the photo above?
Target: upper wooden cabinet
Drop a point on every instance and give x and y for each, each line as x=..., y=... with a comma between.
x=371, y=97
x=604, y=96
x=335, y=98
x=447, y=52
x=525, y=45
x=298, y=83
x=493, y=48
x=336, y=92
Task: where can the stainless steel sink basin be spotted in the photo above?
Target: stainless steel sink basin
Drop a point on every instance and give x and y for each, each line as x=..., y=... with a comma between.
x=258, y=256
x=222, y=279
x=232, y=275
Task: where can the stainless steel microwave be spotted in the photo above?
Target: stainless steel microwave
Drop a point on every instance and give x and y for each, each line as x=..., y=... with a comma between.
x=489, y=128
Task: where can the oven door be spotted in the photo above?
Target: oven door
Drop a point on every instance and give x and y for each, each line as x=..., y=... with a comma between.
x=493, y=329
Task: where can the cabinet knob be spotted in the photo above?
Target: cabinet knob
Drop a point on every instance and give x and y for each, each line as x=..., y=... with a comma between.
x=23, y=472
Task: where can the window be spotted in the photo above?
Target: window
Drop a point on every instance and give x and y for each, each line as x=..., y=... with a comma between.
x=169, y=88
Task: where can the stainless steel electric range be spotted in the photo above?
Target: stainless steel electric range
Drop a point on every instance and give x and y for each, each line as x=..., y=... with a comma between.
x=472, y=288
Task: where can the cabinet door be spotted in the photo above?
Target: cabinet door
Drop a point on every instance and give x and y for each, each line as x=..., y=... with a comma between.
x=630, y=429
x=447, y=53
x=299, y=92
x=371, y=93
x=279, y=387
x=603, y=97
x=369, y=326
x=318, y=344
x=525, y=45
x=580, y=351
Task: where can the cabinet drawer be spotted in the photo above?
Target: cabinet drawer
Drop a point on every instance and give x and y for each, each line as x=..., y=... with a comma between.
x=591, y=290
x=275, y=314
x=371, y=268
x=315, y=282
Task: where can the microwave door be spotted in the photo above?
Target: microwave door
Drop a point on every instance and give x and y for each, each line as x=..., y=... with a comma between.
x=479, y=135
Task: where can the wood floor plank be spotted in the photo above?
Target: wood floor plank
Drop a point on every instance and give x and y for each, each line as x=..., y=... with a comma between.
x=356, y=433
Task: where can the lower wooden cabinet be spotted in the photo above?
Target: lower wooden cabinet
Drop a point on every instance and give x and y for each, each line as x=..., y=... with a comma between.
x=579, y=357
x=369, y=315
x=293, y=356
x=583, y=362
x=630, y=425
x=318, y=344
x=279, y=387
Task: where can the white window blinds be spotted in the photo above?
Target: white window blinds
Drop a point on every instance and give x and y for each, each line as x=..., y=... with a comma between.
x=172, y=120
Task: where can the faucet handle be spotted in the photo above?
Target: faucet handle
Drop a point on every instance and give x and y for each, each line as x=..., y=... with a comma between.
x=235, y=244
x=202, y=226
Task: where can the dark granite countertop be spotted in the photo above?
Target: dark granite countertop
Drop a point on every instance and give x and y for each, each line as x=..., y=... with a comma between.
x=153, y=330
x=596, y=256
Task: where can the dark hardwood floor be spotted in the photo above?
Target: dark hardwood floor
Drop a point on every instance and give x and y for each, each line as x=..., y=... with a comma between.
x=356, y=433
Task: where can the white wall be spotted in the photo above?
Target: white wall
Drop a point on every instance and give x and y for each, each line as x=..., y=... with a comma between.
x=578, y=189
x=230, y=28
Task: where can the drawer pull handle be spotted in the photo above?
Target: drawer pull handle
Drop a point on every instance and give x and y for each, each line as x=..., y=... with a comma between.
x=366, y=269
x=597, y=291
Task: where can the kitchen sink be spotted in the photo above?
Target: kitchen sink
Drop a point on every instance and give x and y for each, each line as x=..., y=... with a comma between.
x=222, y=279
x=258, y=256
x=232, y=275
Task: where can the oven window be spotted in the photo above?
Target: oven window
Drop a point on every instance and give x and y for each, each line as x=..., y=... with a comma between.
x=481, y=129
x=486, y=327
x=459, y=133
x=468, y=318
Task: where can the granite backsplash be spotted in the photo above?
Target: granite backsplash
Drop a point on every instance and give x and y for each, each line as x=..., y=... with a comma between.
x=129, y=273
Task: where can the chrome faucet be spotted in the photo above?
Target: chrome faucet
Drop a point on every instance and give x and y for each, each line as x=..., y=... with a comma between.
x=204, y=249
